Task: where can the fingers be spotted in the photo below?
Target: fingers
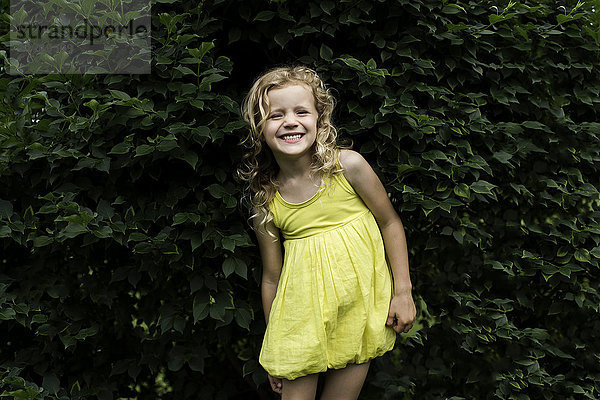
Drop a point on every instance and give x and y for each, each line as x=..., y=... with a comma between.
x=390, y=320
x=402, y=314
x=400, y=327
x=407, y=328
x=275, y=384
x=403, y=328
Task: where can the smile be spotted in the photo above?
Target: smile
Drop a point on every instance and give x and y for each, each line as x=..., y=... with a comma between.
x=293, y=138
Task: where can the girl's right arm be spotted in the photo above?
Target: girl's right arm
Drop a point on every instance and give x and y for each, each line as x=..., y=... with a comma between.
x=272, y=261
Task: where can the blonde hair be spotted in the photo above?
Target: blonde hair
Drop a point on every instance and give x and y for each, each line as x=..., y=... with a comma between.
x=259, y=168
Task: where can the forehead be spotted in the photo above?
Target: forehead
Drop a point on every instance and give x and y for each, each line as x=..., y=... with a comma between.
x=294, y=93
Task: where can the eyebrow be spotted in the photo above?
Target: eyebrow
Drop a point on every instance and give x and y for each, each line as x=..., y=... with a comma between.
x=304, y=106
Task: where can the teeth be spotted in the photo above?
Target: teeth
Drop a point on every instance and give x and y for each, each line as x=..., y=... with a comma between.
x=292, y=137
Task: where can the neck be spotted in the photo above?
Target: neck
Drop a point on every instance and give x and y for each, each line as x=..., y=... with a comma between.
x=291, y=168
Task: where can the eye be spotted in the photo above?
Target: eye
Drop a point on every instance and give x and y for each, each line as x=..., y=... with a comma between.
x=274, y=116
x=302, y=112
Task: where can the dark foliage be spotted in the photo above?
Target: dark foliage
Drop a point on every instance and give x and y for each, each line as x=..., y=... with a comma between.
x=127, y=267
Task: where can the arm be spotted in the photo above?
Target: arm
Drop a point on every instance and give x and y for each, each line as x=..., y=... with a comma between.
x=270, y=253
x=368, y=186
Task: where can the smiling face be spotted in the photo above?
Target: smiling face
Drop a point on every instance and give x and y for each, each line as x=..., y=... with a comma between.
x=291, y=125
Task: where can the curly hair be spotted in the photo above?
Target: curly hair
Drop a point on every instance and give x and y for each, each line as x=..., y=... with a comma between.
x=259, y=168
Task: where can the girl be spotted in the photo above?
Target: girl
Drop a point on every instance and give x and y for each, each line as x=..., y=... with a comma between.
x=329, y=301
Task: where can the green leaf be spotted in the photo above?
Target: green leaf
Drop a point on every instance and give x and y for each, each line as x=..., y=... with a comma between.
x=462, y=190
x=201, y=51
x=84, y=333
x=120, y=148
x=216, y=190
x=327, y=6
x=196, y=363
x=143, y=149
x=191, y=158
x=228, y=243
x=243, y=318
x=42, y=240
x=217, y=311
x=51, y=383
x=6, y=209
x=482, y=187
x=137, y=237
x=196, y=241
x=264, y=16
x=582, y=255
x=119, y=94
x=167, y=145
x=7, y=313
x=72, y=230
x=234, y=264
x=386, y=130
x=453, y=9
x=282, y=38
x=87, y=7
x=105, y=210
x=175, y=362
x=180, y=218
x=27, y=393
x=5, y=231
x=228, y=266
x=458, y=236
x=433, y=155
x=39, y=319
x=200, y=307
x=249, y=367
x=326, y=52
x=352, y=63
x=502, y=156
x=534, y=125
x=493, y=18
x=196, y=284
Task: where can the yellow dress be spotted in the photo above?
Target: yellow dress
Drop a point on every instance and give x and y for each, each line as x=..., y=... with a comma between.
x=335, y=286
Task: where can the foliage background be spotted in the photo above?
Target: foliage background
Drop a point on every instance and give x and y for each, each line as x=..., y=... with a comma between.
x=128, y=269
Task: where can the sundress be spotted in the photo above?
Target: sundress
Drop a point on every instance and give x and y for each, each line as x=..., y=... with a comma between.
x=335, y=286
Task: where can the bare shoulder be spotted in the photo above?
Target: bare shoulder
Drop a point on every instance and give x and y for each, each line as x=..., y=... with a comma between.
x=267, y=234
x=368, y=186
x=353, y=164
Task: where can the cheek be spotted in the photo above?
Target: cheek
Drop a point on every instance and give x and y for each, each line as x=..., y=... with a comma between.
x=270, y=127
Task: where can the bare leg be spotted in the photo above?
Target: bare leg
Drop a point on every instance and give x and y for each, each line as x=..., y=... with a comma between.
x=345, y=383
x=303, y=388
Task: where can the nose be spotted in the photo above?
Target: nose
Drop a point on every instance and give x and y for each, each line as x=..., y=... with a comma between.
x=290, y=121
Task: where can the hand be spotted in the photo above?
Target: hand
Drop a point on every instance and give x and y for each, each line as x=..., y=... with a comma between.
x=402, y=313
x=275, y=383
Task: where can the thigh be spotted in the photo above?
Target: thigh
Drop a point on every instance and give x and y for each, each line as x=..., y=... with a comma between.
x=303, y=388
x=345, y=383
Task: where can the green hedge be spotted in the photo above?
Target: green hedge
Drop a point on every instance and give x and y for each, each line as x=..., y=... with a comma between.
x=128, y=269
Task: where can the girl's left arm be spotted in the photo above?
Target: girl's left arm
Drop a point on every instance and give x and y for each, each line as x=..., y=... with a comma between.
x=368, y=186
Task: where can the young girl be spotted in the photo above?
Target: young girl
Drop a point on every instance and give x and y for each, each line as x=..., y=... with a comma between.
x=329, y=299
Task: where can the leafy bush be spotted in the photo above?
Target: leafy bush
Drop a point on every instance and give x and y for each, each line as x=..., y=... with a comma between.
x=128, y=269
